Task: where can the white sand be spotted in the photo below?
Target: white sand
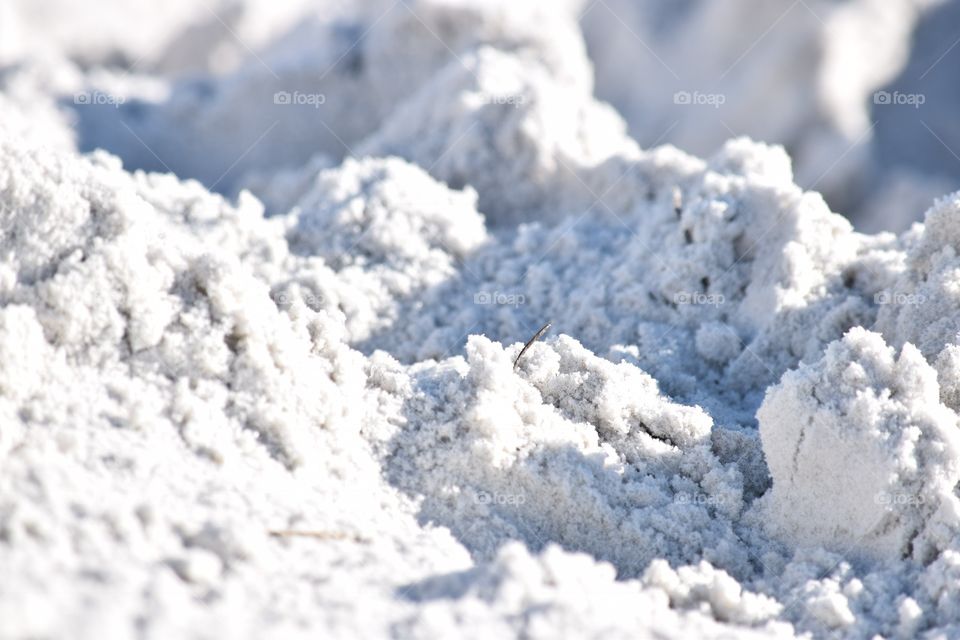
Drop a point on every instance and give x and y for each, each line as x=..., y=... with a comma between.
x=742, y=422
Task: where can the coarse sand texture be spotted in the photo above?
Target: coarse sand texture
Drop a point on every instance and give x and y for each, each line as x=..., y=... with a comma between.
x=279, y=399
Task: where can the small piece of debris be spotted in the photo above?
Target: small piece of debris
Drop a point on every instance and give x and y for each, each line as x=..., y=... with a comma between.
x=535, y=337
x=319, y=535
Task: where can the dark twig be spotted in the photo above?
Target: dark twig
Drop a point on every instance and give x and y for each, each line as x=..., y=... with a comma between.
x=535, y=337
x=319, y=535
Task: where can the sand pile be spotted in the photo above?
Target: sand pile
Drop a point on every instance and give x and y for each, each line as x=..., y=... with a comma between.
x=742, y=422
